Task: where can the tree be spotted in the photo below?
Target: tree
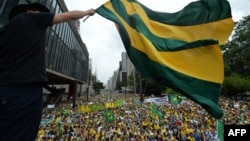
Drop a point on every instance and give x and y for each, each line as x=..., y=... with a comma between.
x=236, y=55
x=237, y=51
x=119, y=86
x=153, y=87
x=235, y=84
x=149, y=86
x=97, y=86
x=130, y=81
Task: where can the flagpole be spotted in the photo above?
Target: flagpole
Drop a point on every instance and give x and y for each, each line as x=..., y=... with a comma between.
x=85, y=18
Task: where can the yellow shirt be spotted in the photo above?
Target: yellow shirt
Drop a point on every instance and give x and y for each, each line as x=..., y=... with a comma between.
x=41, y=132
x=191, y=138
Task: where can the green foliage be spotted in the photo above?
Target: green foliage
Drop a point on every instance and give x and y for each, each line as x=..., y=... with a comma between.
x=131, y=80
x=235, y=84
x=237, y=51
x=153, y=87
x=119, y=85
x=149, y=86
x=236, y=55
x=97, y=86
x=170, y=91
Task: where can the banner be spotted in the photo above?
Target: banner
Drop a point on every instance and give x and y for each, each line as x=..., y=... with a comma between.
x=158, y=100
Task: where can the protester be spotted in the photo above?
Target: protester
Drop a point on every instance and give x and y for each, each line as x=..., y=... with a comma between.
x=133, y=121
x=22, y=69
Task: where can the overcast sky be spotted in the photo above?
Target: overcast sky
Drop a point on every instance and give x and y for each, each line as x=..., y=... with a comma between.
x=103, y=41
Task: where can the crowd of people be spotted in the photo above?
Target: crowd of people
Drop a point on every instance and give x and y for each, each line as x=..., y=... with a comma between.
x=134, y=121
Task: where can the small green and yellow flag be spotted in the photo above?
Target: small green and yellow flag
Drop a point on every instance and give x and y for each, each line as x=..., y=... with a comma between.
x=109, y=115
x=175, y=99
x=180, y=49
x=59, y=126
x=155, y=111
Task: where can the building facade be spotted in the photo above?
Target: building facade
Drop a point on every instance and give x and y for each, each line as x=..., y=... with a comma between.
x=125, y=69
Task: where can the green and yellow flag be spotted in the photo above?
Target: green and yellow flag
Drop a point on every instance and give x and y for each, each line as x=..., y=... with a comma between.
x=155, y=111
x=180, y=49
x=109, y=115
x=175, y=99
x=59, y=126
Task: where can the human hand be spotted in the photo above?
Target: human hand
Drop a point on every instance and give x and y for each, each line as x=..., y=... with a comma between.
x=91, y=11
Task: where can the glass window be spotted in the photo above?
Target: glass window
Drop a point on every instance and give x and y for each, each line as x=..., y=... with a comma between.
x=70, y=40
x=67, y=35
x=42, y=2
x=60, y=57
x=67, y=62
x=58, y=28
x=3, y=2
x=60, y=31
x=64, y=49
x=50, y=49
x=53, y=47
x=5, y=8
x=57, y=9
x=55, y=53
x=30, y=1
x=48, y=3
x=53, y=6
x=64, y=32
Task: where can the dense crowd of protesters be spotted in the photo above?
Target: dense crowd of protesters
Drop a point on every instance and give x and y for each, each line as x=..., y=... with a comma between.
x=186, y=121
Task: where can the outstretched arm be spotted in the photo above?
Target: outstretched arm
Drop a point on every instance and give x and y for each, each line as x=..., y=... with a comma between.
x=72, y=15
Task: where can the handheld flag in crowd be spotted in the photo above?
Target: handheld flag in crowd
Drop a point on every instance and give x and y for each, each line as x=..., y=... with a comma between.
x=175, y=99
x=180, y=49
x=155, y=111
x=109, y=115
x=59, y=126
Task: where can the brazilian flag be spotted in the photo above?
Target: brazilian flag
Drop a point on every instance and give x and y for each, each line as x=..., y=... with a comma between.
x=175, y=99
x=181, y=49
x=155, y=111
x=59, y=127
x=109, y=115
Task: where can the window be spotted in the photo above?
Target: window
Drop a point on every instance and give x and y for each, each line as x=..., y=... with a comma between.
x=5, y=8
